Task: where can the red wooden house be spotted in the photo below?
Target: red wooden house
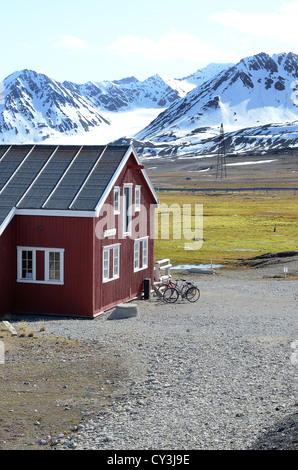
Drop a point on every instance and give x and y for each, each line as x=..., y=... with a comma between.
x=76, y=228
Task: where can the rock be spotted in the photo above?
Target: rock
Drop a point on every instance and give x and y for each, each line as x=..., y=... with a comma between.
x=123, y=311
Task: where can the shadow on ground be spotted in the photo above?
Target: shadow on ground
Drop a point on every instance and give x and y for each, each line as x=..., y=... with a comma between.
x=282, y=436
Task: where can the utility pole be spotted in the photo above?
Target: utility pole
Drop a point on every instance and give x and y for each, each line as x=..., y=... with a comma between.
x=221, y=171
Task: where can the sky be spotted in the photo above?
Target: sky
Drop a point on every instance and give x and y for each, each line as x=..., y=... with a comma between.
x=95, y=40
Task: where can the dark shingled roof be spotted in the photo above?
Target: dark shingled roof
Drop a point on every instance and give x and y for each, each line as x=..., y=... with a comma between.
x=71, y=178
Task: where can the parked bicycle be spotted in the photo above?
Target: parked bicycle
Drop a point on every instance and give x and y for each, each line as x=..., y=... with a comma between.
x=170, y=291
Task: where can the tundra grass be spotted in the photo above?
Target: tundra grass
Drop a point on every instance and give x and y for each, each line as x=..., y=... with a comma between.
x=235, y=226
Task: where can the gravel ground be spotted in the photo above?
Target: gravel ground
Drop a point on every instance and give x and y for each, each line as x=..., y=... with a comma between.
x=214, y=375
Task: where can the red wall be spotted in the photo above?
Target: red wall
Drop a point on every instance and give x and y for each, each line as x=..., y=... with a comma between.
x=73, y=234
x=8, y=268
x=129, y=284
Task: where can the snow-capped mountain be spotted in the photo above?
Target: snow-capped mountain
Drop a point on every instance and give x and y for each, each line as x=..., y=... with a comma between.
x=119, y=95
x=253, y=99
x=36, y=107
x=154, y=92
x=203, y=75
x=255, y=93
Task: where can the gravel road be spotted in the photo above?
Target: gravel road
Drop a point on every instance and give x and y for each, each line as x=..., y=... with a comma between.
x=215, y=375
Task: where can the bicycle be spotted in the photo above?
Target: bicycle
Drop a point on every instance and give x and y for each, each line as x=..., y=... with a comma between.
x=185, y=289
x=161, y=293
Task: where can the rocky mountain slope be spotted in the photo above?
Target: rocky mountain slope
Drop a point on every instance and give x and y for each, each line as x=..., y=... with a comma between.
x=35, y=107
x=254, y=99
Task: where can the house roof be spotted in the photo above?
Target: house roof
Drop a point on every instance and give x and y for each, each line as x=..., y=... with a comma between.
x=59, y=180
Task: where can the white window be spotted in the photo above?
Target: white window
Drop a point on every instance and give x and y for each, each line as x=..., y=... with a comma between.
x=136, y=255
x=106, y=264
x=111, y=257
x=137, y=198
x=54, y=266
x=51, y=258
x=116, y=200
x=127, y=201
x=145, y=253
x=140, y=254
x=26, y=264
x=116, y=262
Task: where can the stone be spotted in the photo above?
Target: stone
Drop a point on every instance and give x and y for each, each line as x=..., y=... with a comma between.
x=123, y=311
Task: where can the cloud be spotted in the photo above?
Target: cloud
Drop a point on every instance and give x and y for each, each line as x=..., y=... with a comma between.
x=280, y=24
x=73, y=44
x=170, y=46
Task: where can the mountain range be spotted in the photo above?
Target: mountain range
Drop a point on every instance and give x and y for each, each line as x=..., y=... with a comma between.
x=254, y=99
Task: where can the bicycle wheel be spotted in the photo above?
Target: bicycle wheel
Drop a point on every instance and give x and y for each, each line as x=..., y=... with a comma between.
x=171, y=295
x=193, y=294
x=185, y=288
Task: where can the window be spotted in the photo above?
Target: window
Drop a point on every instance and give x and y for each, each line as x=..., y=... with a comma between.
x=106, y=264
x=116, y=262
x=145, y=253
x=137, y=198
x=54, y=266
x=127, y=192
x=49, y=264
x=27, y=265
x=116, y=201
x=137, y=255
x=140, y=254
x=111, y=263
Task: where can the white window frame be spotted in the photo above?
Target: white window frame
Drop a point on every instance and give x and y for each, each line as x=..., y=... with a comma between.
x=47, y=266
x=105, y=264
x=117, y=191
x=137, y=198
x=145, y=246
x=106, y=260
x=127, y=211
x=140, y=242
x=136, y=255
x=116, y=262
x=46, y=251
x=19, y=261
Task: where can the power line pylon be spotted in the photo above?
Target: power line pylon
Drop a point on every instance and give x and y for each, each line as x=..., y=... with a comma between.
x=221, y=171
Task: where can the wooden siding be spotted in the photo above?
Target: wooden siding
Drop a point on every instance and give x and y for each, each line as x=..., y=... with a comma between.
x=8, y=268
x=72, y=234
x=130, y=284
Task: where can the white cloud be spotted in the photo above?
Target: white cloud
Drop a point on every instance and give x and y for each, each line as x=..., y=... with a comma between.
x=73, y=44
x=280, y=24
x=171, y=46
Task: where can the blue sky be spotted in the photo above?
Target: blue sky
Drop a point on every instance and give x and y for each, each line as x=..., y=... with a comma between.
x=111, y=39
